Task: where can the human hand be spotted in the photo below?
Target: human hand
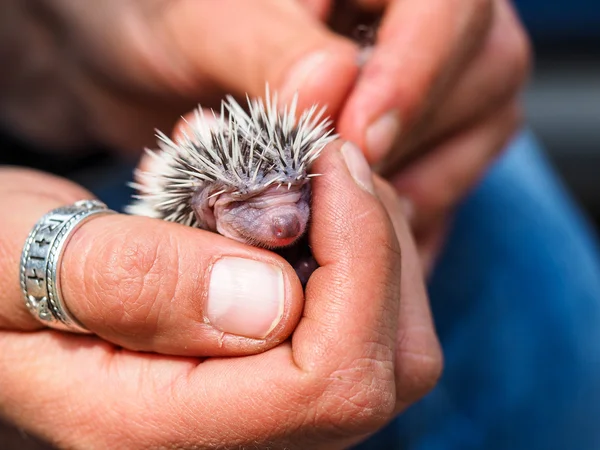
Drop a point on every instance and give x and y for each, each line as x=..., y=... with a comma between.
x=437, y=100
x=114, y=71
x=364, y=347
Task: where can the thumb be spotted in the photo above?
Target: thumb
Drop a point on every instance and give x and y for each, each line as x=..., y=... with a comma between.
x=242, y=45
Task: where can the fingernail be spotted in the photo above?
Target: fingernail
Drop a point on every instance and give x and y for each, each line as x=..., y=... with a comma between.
x=301, y=72
x=381, y=135
x=358, y=166
x=245, y=297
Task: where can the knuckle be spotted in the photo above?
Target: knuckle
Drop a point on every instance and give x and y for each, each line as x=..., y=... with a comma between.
x=427, y=370
x=517, y=56
x=359, y=399
x=354, y=399
x=419, y=367
x=522, y=54
x=513, y=50
x=131, y=279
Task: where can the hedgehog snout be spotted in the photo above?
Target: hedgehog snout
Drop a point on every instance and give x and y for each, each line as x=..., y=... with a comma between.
x=276, y=218
x=286, y=226
x=282, y=225
x=275, y=227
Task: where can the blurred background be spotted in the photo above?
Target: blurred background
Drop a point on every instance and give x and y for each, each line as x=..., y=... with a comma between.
x=563, y=98
x=562, y=103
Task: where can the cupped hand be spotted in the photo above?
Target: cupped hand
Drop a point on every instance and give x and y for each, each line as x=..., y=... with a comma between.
x=363, y=347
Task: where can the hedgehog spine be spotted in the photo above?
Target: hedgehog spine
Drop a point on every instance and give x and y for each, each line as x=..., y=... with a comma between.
x=240, y=153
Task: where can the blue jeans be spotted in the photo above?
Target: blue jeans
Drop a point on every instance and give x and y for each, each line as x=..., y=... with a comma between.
x=516, y=301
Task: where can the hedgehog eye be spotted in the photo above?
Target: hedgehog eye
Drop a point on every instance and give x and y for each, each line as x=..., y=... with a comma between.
x=236, y=204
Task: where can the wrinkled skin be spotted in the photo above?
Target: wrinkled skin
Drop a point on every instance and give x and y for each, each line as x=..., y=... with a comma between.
x=103, y=83
x=347, y=355
x=277, y=219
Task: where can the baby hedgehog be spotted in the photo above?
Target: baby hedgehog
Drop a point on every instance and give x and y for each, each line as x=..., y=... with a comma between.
x=242, y=174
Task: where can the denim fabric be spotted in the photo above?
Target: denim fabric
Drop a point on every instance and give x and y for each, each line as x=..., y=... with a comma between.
x=561, y=18
x=516, y=301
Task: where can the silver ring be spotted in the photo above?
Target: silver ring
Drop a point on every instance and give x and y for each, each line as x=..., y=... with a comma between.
x=40, y=263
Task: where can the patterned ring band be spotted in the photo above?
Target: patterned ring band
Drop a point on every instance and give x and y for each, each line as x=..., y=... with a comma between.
x=40, y=263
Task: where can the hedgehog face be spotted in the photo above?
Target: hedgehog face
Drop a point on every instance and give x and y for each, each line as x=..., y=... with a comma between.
x=273, y=218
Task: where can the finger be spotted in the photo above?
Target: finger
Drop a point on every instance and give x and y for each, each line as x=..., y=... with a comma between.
x=68, y=412
x=151, y=285
x=418, y=340
x=430, y=244
x=275, y=41
x=419, y=47
x=495, y=75
x=418, y=353
x=319, y=8
x=335, y=380
x=350, y=322
x=437, y=181
x=30, y=194
x=343, y=210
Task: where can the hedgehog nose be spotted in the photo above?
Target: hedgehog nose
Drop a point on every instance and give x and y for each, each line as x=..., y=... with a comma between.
x=286, y=226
